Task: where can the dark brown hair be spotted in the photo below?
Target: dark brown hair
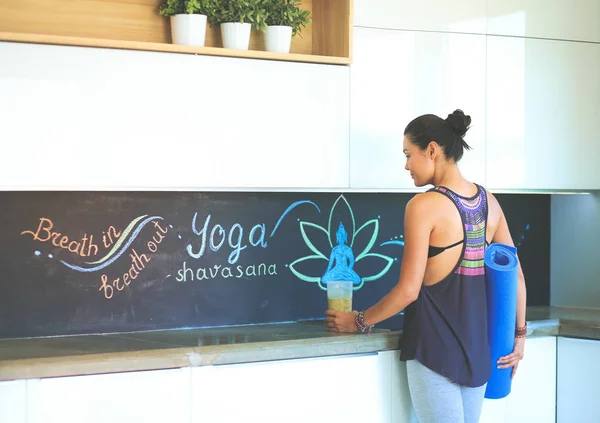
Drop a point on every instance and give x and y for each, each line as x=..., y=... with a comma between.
x=448, y=133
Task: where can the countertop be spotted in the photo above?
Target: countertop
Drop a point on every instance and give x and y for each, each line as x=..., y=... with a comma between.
x=120, y=352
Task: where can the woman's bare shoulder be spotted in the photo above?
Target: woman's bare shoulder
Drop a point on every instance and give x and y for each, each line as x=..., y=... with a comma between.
x=494, y=212
x=427, y=204
x=493, y=204
x=420, y=214
x=425, y=199
x=491, y=197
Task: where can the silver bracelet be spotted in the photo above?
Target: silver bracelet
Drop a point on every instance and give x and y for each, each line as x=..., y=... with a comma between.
x=361, y=324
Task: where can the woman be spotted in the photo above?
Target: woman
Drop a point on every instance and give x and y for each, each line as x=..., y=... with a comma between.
x=442, y=278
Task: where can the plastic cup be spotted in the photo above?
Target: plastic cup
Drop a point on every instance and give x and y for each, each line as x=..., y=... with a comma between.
x=339, y=295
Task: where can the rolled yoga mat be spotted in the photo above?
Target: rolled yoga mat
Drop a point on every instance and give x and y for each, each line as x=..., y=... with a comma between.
x=501, y=277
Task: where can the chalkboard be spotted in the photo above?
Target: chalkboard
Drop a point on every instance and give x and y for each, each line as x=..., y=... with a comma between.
x=97, y=262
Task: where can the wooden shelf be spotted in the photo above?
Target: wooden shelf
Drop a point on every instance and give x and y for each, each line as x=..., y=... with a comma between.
x=136, y=25
x=169, y=48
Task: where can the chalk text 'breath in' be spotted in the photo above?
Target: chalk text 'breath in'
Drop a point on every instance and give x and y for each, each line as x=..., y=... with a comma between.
x=84, y=246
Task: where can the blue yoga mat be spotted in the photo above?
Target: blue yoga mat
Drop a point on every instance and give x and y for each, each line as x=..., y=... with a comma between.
x=501, y=277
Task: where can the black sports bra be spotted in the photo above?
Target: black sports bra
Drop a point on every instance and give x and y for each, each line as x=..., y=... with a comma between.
x=434, y=251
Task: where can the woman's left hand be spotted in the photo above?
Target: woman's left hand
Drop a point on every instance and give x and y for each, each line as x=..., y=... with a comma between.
x=339, y=321
x=512, y=360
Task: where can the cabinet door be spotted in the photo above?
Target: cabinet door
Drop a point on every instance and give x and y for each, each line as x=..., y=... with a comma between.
x=402, y=410
x=542, y=114
x=13, y=401
x=578, y=381
x=431, y=15
x=533, y=390
x=149, y=397
x=87, y=118
x=494, y=411
x=399, y=75
x=555, y=19
x=320, y=390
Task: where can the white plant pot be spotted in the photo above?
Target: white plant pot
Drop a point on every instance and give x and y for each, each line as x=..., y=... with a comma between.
x=188, y=30
x=236, y=35
x=278, y=39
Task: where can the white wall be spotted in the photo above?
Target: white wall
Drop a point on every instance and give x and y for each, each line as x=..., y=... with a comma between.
x=574, y=247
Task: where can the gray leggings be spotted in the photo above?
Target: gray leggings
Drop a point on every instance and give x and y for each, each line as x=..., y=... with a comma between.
x=437, y=399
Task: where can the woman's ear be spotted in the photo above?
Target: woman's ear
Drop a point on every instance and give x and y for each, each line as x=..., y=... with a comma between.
x=433, y=150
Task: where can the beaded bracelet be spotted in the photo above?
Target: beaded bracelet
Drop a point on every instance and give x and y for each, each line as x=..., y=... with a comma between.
x=521, y=332
x=361, y=324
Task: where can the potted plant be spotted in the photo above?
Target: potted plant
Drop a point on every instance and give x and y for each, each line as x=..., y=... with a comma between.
x=285, y=19
x=188, y=19
x=237, y=19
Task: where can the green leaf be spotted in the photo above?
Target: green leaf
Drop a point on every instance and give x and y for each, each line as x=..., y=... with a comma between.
x=286, y=13
x=242, y=11
x=171, y=7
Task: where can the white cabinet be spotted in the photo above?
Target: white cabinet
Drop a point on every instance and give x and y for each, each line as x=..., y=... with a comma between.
x=542, y=106
x=402, y=411
x=13, y=396
x=431, y=15
x=325, y=390
x=88, y=118
x=578, y=381
x=549, y=387
x=399, y=75
x=494, y=411
x=556, y=19
x=533, y=390
x=149, y=397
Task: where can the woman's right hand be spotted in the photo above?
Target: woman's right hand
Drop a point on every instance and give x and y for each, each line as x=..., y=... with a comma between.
x=338, y=321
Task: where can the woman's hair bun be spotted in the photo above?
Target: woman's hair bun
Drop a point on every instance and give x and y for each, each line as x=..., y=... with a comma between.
x=459, y=121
